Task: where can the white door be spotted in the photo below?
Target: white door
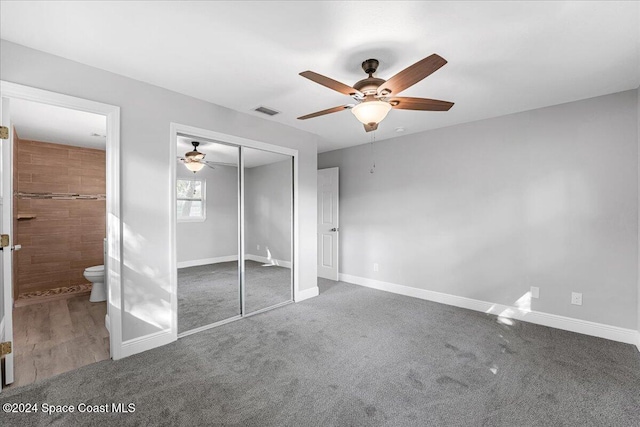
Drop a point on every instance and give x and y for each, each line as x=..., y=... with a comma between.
x=6, y=191
x=328, y=223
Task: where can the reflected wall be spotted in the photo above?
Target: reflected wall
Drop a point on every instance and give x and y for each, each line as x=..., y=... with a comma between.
x=268, y=219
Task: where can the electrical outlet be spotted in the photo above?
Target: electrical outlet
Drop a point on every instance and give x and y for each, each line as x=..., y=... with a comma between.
x=258, y=247
x=375, y=266
x=576, y=298
x=535, y=292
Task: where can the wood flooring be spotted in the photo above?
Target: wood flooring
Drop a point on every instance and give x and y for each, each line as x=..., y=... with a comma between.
x=53, y=337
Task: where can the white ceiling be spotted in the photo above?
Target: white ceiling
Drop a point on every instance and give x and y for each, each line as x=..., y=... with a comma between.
x=47, y=123
x=220, y=152
x=504, y=57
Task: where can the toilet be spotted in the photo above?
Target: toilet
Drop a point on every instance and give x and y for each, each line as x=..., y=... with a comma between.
x=95, y=275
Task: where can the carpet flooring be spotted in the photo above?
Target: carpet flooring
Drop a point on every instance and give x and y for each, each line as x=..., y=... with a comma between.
x=355, y=356
x=210, y=293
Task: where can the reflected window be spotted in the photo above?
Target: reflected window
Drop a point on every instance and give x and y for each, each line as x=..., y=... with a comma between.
x=191, y=200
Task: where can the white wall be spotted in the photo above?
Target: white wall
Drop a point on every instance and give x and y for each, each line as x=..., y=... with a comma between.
x=146, y=112
x=268, y=210
x=217, y=235
x=485, y=210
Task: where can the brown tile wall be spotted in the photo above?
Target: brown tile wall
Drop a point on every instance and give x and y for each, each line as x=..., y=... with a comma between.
x=65, y=237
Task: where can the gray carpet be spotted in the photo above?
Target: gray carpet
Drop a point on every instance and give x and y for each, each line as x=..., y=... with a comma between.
x=209, y=293
x=356, y=356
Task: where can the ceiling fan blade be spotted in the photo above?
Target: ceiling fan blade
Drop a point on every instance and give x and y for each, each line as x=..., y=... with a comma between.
x=371, y=127
x=331, y=84
x=422, y=104
x=323, y=112
x=211, y=162
x=412, y=75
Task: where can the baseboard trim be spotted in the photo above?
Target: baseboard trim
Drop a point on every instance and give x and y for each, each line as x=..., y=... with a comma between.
x=307, y=293
x=205, y=261
x=147, y=342
x=614, y=333
x=265, y=260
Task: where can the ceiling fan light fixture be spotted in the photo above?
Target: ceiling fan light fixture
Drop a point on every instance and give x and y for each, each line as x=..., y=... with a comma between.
x=369, y=112
x=194, y=166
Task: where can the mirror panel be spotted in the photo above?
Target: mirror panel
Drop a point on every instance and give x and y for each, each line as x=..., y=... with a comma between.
x=268, y=220
x=207, y=235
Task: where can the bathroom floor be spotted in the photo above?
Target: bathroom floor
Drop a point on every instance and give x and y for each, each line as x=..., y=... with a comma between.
x=57, y=336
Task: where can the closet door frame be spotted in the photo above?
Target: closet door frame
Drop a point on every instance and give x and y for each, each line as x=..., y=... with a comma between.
x=181, y=129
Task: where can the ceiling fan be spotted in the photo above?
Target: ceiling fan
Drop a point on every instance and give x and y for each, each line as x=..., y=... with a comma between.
x=194, y=160
x=376, y=97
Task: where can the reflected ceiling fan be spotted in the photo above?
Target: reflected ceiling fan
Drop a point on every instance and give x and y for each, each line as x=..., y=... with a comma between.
x=376, y=97
x=194, y=160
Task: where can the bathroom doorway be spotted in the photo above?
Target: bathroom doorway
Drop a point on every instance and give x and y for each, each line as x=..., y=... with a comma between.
x=57, y=309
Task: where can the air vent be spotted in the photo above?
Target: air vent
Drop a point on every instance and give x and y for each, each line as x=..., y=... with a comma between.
x=267, y=111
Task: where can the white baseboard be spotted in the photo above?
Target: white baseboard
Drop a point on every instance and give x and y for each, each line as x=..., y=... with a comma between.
x=147, y=342
x=613, y=333
x=205, y=261
x=250, y=257
x=307, y=293
x=265, y=260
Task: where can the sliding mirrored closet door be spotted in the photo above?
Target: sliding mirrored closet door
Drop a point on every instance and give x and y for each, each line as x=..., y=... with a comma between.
x=268, y=225
x=207, y=233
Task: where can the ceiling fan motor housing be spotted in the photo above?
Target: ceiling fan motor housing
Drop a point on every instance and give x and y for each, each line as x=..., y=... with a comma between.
x=369, y=86
x=195, y=154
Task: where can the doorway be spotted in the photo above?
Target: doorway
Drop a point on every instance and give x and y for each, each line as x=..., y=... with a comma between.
x=234, y=228
x=58, y=204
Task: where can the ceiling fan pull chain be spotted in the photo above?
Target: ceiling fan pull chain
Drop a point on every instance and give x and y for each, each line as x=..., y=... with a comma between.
x=373, y=158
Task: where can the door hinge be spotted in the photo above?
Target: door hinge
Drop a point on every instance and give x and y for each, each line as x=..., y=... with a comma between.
x=5, y=348
x=4, y=132
x=4, y=240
